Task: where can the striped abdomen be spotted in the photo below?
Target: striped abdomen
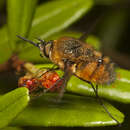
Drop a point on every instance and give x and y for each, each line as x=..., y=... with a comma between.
x=99, y=73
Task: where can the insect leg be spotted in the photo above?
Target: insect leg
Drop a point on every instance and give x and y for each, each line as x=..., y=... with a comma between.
x=53, y=68
x=50, y=69
x=47, y=70
x=102, y=104
x=64, y=79
x=54, y=85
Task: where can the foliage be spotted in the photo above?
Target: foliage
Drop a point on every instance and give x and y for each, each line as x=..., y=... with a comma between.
x=48, y=20
x=12, y=104
x=71, y=111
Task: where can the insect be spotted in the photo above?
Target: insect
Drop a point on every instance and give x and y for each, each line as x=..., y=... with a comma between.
x=75, y=57
x=32, y=84
x=36, y=83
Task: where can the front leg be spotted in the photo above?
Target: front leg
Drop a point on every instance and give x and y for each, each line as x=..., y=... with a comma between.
x=62, y=82
x=65, y=78
x=69, y=69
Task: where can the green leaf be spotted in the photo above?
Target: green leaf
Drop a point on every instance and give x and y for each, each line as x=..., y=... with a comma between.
x=57, y=15
x=11, y=104
x=5, y=50
x=53, y=17
x=72, y=111
x=20, y=13
x=118, y=91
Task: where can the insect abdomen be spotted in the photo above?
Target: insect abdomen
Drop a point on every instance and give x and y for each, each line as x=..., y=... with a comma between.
x=102, y=74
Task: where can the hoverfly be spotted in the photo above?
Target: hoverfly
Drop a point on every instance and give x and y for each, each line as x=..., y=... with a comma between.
x=75, y=57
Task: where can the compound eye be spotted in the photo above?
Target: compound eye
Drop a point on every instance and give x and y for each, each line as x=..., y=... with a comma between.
x=100, y=61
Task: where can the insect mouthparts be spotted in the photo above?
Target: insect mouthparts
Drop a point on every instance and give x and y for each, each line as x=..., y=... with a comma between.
x=25, y=39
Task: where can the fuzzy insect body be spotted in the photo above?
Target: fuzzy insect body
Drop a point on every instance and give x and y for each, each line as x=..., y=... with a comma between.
x=86, y=63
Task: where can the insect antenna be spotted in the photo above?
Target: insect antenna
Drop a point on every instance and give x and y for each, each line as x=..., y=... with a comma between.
x=35, y=44
x=102, y=104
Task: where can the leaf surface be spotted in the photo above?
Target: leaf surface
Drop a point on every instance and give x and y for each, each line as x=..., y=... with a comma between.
x=11, y=104
x=20, y=14
x=72, y=111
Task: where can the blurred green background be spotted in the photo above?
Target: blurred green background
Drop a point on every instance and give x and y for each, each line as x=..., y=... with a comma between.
x=33, y=19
